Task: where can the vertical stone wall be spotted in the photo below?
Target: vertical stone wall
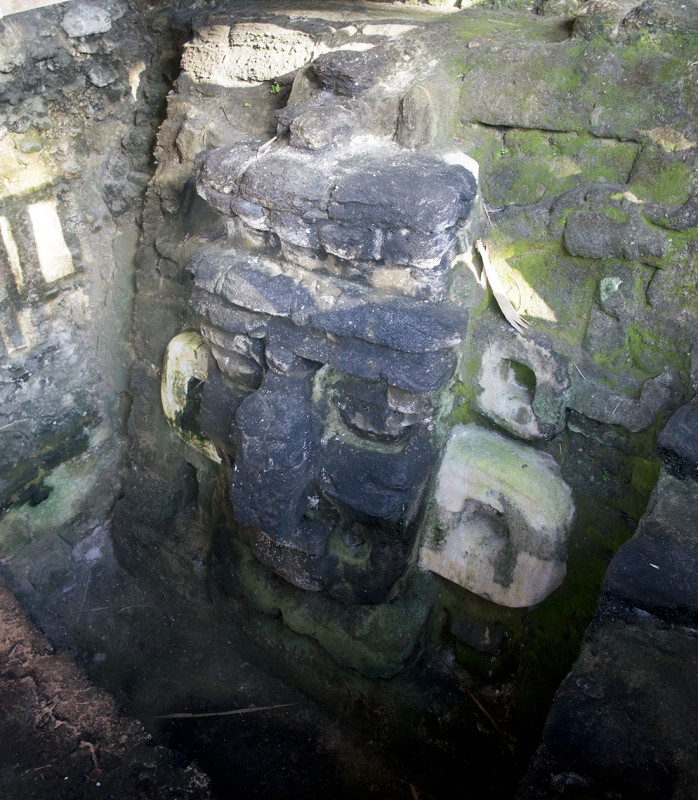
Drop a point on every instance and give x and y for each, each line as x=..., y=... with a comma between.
x=81, y=88
x=537, y=452
x=588, y=231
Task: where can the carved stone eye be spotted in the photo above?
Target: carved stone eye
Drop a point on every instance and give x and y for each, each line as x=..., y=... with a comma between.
x=365, y=408
x=239, y=357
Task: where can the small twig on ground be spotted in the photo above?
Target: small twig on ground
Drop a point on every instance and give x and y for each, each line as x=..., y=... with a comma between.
x=502, y=734
x=208, y=122
x=10, y=424
x=93, y=753
x=84, y=595
x=187, y=715
x=579, y=370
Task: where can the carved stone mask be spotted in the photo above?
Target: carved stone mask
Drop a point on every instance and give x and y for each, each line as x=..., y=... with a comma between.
x=330, y=332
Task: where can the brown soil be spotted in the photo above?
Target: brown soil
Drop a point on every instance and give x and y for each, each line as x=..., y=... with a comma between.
x=62, y=737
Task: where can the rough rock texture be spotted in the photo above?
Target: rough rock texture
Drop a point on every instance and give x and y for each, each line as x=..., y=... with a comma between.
x=319, y=307
x=508, y=510
x=78, y=88
x=638, y=662
x=292, y=268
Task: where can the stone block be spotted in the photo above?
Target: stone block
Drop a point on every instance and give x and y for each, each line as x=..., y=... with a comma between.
x=381, y=485
x=656, y=569
x=277, y=455
x=85, y=19
x=502, y=518
x=402, y=190
x=678, y=442
x=603, y=234
x=319, y=127
x=523, y=387
x=347, y=72
x=185, y=368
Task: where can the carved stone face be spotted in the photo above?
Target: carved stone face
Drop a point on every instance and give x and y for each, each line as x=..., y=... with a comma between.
x=331, y=334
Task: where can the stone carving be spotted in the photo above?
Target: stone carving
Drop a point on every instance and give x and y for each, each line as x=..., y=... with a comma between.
x=185, y=369
x=330, y=330
x=523, y=386
x=503, y=514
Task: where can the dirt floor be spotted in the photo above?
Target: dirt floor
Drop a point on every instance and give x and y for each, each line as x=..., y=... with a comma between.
x=62, y=737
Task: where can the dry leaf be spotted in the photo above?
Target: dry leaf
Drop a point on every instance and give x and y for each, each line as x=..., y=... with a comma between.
x=513, y=317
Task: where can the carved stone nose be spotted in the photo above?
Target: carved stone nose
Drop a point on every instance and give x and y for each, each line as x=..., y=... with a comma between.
x=277, y=454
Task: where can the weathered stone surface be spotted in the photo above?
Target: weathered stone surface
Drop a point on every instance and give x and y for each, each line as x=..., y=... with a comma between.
x=386, y=206
x=414, y=372
x=277, y=455
x=222, y=168
x=678, y=442
x=378, y=484
x=633, y=667
x=329, y=304
x=347, y=72
x=656, y=569
x=185, y=368
x=598, y=234
x=101, y=75
x=637, y=662
x=524, y=387
x=503, y=514
x=673, y=16
x=545, y=114
x=317, y=127
x=601, y=18
x=417, y=125
x=225, y=54
x=602, y=403
x=576, y=91
x=367, y=409
x=84, y=19
x=402, y=191
x=283, y=181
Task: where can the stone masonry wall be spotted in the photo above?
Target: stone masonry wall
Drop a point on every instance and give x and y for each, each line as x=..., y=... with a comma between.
x=384, y=323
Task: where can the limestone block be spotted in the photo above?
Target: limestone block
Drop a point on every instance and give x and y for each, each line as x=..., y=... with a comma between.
x=417, y=124
x=277, y=455
x=331, y=304
x=636, y=412
x=503, y=516
x=249, y=51
x=185, y=367
x=85, y=19
x=412, y=372
x=318, y=127
x=598, y=234
x=531, y=409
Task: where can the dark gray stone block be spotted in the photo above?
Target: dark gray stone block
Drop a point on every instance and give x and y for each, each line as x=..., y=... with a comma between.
x=285, y=180
x=656, y=570
x=678, y=442
x=277, y=456
x=396, y=191
x=347, y=72
x=375, y=484
x=352, y=242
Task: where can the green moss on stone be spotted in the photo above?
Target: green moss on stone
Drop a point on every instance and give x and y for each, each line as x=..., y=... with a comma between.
x=548, y=286
x=536, y=164
x=645, y=473
x=670, y=185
